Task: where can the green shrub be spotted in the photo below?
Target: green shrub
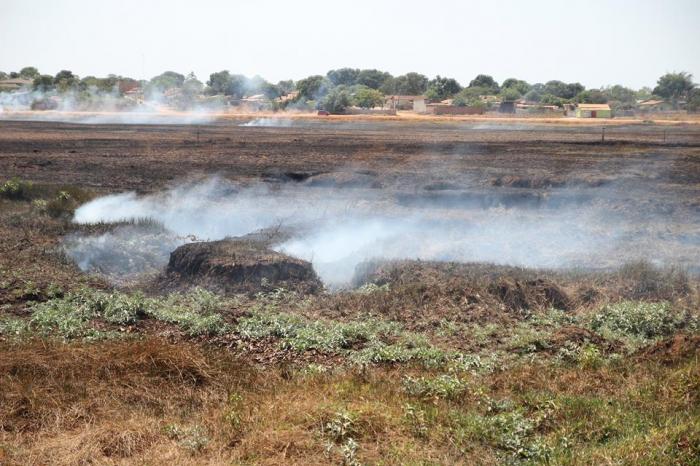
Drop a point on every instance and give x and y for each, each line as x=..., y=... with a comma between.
x=70, y=316
x=195, y=313
x=511, y=432
x=13, y=327
x=444, y=386
x=640, y=319
x=299, y=334
x=16, y=189
x=62, y=205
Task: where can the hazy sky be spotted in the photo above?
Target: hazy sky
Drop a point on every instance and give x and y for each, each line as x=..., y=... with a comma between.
x=594, y=42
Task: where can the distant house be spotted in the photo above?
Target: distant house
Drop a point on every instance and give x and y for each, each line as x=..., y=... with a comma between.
x=257, y=98
x=416, y=103
x=288, y=97
x=507, y=106
x=14, y=84
x=593, y=111
x=128, y=86
x=652, y=105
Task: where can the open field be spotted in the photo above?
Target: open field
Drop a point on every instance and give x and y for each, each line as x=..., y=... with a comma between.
x=536, y=301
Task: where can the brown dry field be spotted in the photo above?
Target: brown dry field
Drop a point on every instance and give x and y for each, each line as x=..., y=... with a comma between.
x=401, y=153
x=546, y=387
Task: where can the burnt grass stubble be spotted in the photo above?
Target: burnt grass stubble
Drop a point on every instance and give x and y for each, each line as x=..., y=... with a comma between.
x=419, y=363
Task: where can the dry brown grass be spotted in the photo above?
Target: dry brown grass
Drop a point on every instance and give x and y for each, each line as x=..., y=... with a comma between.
x=119, y=402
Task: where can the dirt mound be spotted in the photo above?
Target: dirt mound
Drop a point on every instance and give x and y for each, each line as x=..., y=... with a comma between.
x=238, y=266
x=673, y=349
x=530, y=294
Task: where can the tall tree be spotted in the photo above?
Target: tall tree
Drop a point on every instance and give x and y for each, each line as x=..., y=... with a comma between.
x=485, y=81
x=675, y=86
x=223, y=82
x=313, y=87
x=167, y=80
x=343, y=76
x=442, y=88
x=28, y=72
x=65, y=80
x=522, y=87
x=407, y=84
x=373, y=78
x=366, y=97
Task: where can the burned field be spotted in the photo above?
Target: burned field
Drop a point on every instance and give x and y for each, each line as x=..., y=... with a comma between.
x=349, y=292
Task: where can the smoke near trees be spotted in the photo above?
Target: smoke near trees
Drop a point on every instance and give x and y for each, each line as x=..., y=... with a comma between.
x=335, y=91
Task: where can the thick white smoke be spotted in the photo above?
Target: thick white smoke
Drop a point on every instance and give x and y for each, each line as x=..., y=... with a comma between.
x=94, y=106
x=269, y=123
x=337, y=229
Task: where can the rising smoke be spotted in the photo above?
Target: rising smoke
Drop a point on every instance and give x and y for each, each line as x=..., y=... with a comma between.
x=269, y=123
x=95, y=106
x=337, y=229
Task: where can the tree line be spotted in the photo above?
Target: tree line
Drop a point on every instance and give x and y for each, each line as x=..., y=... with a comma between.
x=367, y=88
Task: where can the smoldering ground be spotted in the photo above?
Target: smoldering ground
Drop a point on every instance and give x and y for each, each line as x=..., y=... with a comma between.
x=338, y=228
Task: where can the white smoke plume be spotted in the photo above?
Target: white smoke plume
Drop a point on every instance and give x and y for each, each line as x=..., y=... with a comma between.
x=94, y=106
x=336, y=229
x=269, y=123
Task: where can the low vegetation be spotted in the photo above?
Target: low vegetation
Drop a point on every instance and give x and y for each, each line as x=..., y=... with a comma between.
x=421, y=363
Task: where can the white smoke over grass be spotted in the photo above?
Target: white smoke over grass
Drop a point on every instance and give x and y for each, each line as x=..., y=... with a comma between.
x=123, y=254
x=337, y=229
x=269, y=123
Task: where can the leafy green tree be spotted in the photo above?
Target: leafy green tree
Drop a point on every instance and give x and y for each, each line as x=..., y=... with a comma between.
x=550, y=99
x=285, y=87
x=43, y=83
x=407, y=84
x=563, y=90
x=442, y=88
x=592, y=96
x=675, y=86
x=271, y=91
x=109, y=84
x=366, y=97
x=3, y=75
x=13, y=75
x=694, y=101
x=219, y=82
x=29, y=72
x=374, y=79
x=167, y=80
x=487, y=82
x=522, y=87
x=192, y=84
x=619, y=93
x=509, y=94
x=469, y=97
x=535, y=93
x=191, y=90
x=65, y=80
x=644, y=93
x=343, y=76
x=336, y=100
x=225, y=83
x=313, y=87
